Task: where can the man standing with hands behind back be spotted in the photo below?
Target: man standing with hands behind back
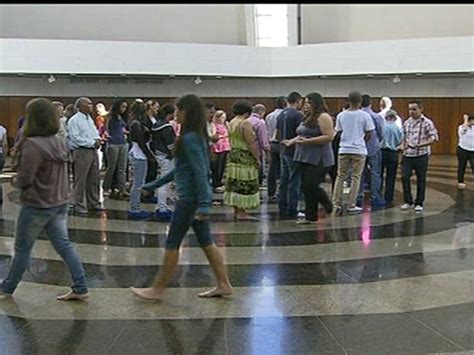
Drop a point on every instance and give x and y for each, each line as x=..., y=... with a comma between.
x=420, y=133
x=85, y=141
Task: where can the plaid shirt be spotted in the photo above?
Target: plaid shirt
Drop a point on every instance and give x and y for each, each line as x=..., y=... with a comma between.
x=417, y=132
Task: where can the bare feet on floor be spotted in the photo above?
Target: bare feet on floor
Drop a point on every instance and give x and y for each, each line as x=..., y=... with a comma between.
x=149, y=293
x=217, y=292
x=70, y=296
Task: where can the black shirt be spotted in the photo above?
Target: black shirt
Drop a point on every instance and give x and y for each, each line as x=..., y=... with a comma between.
x=163, y=138
x=287, y=122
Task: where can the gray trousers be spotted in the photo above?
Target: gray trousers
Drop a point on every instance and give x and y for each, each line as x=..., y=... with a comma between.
x=86, y=178
x=117, y=156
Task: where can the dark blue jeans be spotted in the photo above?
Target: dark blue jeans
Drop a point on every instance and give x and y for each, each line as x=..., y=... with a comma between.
x=274, y=170
x=289, y=186
x=183, y=218
x=31, y=222
x=372, y=172
x=389, y=167
x=420, y=165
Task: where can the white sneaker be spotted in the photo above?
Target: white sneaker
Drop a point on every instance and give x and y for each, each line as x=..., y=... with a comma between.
x=301, y=215
x=355, y=209
x=418, y=208
x=406, y=206
x=461, y=186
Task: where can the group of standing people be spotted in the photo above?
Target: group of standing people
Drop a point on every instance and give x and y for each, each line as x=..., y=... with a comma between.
x=192, y=145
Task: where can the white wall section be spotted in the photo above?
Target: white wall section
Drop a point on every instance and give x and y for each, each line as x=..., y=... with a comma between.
x=427, y=55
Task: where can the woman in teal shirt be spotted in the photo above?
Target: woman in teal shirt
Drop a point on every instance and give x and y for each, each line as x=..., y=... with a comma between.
x=192, y=178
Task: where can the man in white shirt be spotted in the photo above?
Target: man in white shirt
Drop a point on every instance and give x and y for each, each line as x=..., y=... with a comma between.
x=385, y=105
x=85, y=141
x=356, y=126
x=465, y=149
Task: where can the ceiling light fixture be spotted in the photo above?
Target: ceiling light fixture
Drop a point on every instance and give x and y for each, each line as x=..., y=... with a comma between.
x=51, y=79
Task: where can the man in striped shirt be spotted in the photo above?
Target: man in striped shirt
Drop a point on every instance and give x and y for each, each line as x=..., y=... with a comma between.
x=419, y=134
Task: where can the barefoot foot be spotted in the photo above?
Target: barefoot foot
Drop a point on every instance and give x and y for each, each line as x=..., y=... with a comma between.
x=217, y=292
x=150, y=293
x=245, y=217
x=70, y=296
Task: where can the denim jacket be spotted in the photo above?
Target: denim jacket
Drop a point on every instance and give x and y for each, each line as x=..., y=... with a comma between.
x=191, y=173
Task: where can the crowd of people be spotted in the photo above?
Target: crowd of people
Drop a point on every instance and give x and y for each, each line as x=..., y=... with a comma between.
x=177, y=155
x=291, y=150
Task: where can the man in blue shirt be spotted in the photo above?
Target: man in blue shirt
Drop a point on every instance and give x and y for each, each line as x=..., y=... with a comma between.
x=287, y=122
x=373, y=165
x=392, y=138
x=85, y=141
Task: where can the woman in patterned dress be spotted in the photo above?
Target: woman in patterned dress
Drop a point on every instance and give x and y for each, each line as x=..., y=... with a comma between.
x=242, y=189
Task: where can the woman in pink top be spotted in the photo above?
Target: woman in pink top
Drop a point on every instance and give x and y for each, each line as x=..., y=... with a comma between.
x=220, y=149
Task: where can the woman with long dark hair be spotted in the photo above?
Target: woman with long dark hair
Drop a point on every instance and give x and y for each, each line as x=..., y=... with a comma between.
x=140, y=155
x=192, y=178
x=117, y=147
x=314, y=154
x=43, y=180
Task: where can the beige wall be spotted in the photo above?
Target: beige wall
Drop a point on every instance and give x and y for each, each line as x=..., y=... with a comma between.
x=367, y=22
x=219, y=24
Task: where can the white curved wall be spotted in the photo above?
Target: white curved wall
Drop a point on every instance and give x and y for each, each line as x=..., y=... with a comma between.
x=325, y=23
x=218, y=24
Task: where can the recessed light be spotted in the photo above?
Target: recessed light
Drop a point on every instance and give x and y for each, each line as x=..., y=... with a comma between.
x=370, y=75
x=324, y=76
x=218, y=77
x=419, y=74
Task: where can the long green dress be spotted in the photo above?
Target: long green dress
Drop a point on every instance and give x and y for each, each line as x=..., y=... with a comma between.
x=241, y=188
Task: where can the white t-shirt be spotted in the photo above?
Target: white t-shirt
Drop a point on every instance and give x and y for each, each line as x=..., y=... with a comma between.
x=466, y=138
x=3, y=137
x=354, y=125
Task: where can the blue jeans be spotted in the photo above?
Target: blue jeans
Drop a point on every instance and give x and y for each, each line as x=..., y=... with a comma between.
x=289, y=185
x=140, y=168
x=375, y=164
x=164, y=192
x=183, y=218
x=31, y=222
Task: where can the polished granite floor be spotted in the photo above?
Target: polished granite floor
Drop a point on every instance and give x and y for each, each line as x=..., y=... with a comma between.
x=383, y=282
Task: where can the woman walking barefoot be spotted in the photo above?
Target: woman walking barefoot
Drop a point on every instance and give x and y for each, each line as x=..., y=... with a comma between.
x=43, y=180
x=191, y=175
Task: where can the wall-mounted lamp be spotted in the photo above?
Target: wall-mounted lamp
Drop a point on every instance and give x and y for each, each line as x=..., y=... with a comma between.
x=198, y=80
x=51, y=79
x=396, y=79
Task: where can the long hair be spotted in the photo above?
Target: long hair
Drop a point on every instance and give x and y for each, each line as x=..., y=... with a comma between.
x=41, y=118
x=137, y=110
x=114, y=111
x=195, y=118
x=318, y=106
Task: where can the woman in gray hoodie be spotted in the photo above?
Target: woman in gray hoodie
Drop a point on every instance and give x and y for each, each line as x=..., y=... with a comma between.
x=43, y=181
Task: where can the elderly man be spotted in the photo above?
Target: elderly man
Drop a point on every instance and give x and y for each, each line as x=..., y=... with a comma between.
x=85, y=141
x=260, y=129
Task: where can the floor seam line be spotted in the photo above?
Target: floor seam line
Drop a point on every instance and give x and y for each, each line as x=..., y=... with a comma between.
x=116, y=338
x=332, y=335
x=436, y=332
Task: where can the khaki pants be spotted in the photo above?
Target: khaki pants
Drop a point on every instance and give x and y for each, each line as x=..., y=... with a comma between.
x=343, y=163
x=86, y=178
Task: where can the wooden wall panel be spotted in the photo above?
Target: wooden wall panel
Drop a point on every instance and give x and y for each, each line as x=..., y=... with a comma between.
x=445, y=112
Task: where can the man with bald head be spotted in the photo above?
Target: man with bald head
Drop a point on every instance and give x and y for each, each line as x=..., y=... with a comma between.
x=260, y=129
x=85, y=141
